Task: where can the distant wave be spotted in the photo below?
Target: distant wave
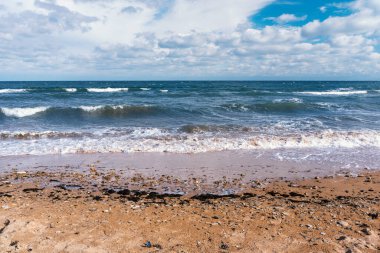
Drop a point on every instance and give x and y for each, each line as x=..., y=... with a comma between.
x=70, y=89
x=12, y=90
x=120, y=110
x=164, y=91
x=288, y=100
x=145, y=89
x=282, y=105
x=100, y=110
x=109, y=89
x=337, y=92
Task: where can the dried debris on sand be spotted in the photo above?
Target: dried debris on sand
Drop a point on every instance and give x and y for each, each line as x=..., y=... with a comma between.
x=339, y=214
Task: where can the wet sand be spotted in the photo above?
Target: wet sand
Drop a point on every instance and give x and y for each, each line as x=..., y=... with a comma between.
x=67, y=209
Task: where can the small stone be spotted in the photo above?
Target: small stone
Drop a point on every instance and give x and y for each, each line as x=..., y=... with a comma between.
x=323, y=233
x=224, y=246
x=157, y=246
x=13, y=243
x=373, y=215
x=341, y=238
x=366, y=231
x=343, y=223
x=148, y=244
x=309, y=226
x=5, y=207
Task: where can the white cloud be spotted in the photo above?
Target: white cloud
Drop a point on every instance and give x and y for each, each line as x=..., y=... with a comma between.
x=131, y=39
x=287, y=18
x=365, y=19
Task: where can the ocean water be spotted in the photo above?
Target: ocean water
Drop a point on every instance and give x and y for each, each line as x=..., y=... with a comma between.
x=187, y=117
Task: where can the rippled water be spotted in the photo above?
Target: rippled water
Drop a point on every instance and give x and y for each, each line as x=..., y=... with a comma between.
x=186, y=117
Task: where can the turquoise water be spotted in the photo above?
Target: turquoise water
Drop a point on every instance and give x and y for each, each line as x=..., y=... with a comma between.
x=186, y=117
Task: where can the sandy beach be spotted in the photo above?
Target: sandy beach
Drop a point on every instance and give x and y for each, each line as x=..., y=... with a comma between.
x=103, y=211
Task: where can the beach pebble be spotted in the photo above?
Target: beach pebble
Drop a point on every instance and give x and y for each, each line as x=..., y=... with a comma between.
x=366, y=231
x=148, y=244
x=344, y=224
x=309, y=226
x=224, y=245
x=341, y=238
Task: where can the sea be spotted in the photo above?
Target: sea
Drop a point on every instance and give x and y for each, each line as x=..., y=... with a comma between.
x=38, y=118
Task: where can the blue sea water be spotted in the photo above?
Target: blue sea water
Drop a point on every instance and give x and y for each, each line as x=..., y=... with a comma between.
x=186, y=116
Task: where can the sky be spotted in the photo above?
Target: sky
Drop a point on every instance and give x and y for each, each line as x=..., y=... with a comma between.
x=190, y=40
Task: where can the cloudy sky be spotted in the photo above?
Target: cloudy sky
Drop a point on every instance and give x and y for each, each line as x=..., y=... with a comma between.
x=189, y=39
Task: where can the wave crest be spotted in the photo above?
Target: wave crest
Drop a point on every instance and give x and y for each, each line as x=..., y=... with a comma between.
x=337, y=92
x=159, y=140
x=3, y=91
x=23, y=112
x=109, y=89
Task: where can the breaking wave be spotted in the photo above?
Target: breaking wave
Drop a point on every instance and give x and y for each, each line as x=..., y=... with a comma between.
x=12, y=91
x=101, y=110
x=337, y=92
x=162, y=140
x=109, y=89
x=22, y=112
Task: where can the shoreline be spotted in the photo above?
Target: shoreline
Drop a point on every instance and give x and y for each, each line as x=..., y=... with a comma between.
x=316, y=214
x=254, y=164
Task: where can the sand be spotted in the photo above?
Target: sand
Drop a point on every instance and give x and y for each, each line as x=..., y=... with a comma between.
x=77, y=212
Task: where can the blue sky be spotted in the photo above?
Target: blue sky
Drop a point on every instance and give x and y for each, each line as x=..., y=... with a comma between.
x=190, y=39
x=310, y=9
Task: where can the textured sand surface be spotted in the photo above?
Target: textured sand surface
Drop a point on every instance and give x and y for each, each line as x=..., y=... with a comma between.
x=339, y=214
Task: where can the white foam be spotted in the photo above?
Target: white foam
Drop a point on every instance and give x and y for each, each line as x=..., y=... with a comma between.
x=338, y=92
x=70, y=89
x=91, y=108
x=109, y=89
x=159, y=140
x=23, y=112
x=164, y=91
x=12, y=90
x=145, y=89
x=97, y=107
x=289, y=100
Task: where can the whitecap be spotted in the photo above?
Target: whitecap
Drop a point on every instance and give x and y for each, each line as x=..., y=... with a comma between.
x=164, y=91
x=289, y=100
x=145, y=89
x=109, y=89
x=91, y=108
x=334, y=92
x=70, y=89
x=12, y=90
x=23, y=112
